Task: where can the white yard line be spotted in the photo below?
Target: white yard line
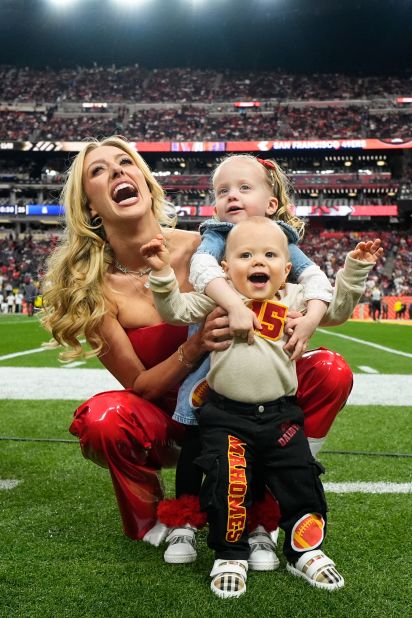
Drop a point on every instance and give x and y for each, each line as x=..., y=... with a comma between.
x=23, y=353
x=368, y=488
x=337, y=488
x=367, y=369
x=45, y=347
x=74, y=364
x=381, y=390
x=80, y=384
x=54, y=383
x=9, y=483
x=363, y=342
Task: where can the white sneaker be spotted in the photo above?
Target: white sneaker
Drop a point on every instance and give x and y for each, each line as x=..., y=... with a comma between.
x=229, y=578
x=182, y=546
x=262, y=555
x=157, y=534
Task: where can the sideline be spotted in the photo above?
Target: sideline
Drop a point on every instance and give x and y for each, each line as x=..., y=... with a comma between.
x=80, y=384
x=54, y=383
x=336, y=488
x=363, y=342
x=368, y=488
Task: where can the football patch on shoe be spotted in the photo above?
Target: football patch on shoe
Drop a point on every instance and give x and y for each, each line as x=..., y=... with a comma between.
x=308, y=532
x=198, y=394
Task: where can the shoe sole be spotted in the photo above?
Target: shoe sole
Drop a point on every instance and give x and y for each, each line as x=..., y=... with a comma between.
x=312, y=582
x=179, y=559
x=264, y=566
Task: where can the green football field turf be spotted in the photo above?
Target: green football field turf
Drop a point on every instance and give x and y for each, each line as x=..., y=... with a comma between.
x=62, y=552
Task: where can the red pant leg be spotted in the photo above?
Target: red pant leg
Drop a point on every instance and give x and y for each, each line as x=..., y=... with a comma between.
x=133, y=438
x=324, y=384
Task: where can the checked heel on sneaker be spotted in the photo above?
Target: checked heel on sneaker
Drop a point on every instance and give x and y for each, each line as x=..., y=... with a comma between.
x=229, y=578
x=318, y=570
x=182, y=546
x=262, y=555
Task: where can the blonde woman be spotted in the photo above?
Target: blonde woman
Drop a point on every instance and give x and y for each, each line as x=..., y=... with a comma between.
x=96, y=287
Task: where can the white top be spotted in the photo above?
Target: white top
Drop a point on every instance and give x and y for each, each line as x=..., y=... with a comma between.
x=262, y=371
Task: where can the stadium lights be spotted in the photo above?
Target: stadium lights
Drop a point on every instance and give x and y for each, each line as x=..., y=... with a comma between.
x=129, y=3
x=63, y=3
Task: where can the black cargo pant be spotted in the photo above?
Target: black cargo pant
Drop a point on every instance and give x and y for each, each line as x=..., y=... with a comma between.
x=235, y=436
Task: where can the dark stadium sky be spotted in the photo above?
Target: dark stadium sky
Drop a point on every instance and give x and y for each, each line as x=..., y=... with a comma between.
x=356, y=36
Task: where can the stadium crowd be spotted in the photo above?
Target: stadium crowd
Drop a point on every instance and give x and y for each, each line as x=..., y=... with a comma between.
x=188, y=104
x=22, y=260
x=187, y=122
x=279, y=122
x=393, y=274
x=137, y=84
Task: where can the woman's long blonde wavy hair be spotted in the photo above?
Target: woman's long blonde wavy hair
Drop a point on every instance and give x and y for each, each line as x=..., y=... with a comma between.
x=73, y=296
x=281, y=188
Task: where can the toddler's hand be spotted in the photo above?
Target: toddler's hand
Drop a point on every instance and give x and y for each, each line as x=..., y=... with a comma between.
x=369, y=251
x=302, y=329
x=242, y=322
x=156, y=253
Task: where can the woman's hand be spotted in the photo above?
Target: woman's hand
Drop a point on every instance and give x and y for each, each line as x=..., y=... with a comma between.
x=215, y=333
x=213, y=336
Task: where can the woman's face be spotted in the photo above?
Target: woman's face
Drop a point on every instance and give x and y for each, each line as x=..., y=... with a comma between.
x=115, y=186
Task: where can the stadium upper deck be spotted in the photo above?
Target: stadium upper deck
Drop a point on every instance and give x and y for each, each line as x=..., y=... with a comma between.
x=343, y=140
x=188, y=104
x=135, y=84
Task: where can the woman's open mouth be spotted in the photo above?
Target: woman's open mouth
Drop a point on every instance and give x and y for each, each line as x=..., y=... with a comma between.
x=125, y=194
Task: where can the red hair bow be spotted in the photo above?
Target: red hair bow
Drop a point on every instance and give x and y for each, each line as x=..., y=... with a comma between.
x=268, y=164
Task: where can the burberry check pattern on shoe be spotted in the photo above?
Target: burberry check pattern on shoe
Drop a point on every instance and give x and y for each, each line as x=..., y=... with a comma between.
x=229, y=578
x=318, y=570
x=262, y=555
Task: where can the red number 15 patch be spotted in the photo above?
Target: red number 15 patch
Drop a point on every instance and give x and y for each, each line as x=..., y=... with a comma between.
x=272, y=317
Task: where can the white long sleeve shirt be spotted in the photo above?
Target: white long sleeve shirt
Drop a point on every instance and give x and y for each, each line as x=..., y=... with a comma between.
x=261, y=371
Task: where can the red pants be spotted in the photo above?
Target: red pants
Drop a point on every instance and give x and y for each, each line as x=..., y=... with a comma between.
x=134, y=438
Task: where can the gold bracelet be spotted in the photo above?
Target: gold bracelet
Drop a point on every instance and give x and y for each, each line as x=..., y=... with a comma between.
x=182, y=359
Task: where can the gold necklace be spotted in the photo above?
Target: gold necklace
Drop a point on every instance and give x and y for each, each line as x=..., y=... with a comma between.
x=134, y=273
